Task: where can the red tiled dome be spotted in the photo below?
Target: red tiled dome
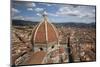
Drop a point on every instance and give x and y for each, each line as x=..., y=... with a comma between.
x=44, y=32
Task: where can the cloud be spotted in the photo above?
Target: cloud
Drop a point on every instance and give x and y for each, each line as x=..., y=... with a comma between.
x=67, y=11
x=26, y=18
x=38, y=14
x=30, y=4
x=18, y=17
x=49, y=4
x=46, y=4
x=30, y=9
x=15, y=14
x=63, y=9
x=29, y=18
x=88, y=15
x=42, y=13
x=52, y=14
x=46, y=13
x=39, y=9
x=15, y=10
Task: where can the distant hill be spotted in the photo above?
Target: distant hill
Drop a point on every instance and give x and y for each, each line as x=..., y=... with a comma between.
x=23, y=23
x=78, y=25
x=65, y=24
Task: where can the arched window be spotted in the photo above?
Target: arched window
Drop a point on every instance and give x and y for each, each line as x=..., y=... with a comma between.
x=41, y=49
x=52, y=47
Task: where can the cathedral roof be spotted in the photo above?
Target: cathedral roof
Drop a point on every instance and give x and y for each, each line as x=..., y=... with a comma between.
x=44, y=32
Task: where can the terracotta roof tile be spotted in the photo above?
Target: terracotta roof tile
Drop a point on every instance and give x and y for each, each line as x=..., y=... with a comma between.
x=42, y=30
x=36, y=58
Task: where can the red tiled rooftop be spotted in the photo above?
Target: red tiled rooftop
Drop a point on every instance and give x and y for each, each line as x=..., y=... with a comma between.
x=36, y=58
x=44, y=32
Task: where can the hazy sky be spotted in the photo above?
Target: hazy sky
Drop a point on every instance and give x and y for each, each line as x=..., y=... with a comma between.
x=32, y=11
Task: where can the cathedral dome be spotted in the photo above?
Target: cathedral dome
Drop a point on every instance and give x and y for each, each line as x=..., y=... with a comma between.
x=44, y=32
